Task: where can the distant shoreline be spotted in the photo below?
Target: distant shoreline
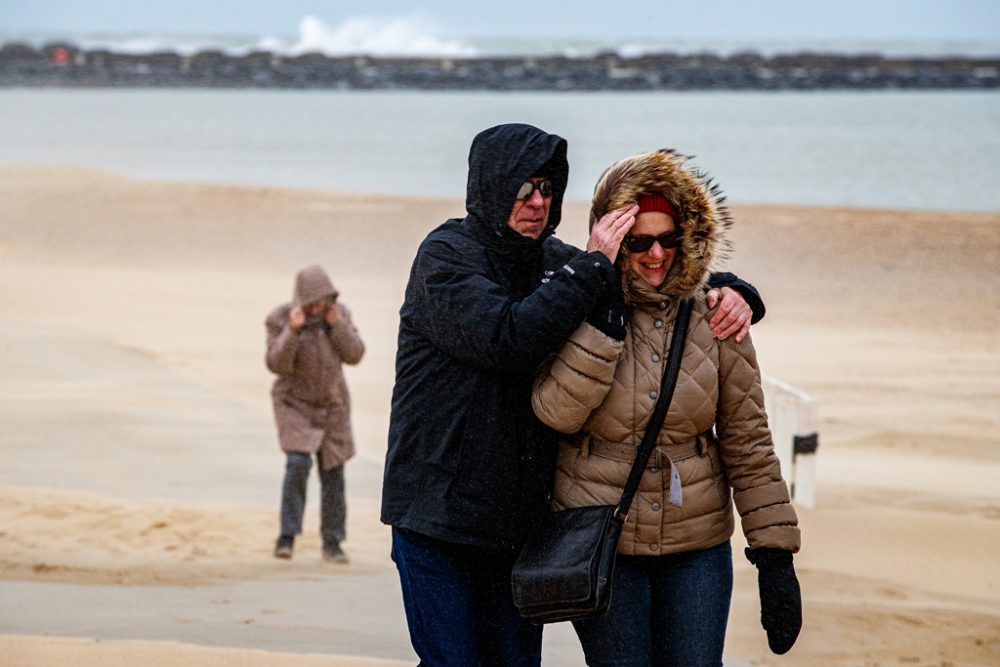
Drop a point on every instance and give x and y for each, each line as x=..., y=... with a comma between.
x=453, y=204
x=66, y=65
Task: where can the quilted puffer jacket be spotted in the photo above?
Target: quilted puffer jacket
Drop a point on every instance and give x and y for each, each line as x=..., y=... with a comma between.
x=600, y=393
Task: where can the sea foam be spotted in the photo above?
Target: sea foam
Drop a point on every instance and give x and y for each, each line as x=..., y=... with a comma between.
x=411, y=36
x=374, y=36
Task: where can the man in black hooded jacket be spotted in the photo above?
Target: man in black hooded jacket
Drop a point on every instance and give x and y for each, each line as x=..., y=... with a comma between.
x=469, y=465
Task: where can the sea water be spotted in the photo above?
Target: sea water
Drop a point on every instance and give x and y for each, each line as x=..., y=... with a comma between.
x=895, y=149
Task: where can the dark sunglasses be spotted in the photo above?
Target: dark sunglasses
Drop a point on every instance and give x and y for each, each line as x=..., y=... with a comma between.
x=643, y=243
x=528, y=188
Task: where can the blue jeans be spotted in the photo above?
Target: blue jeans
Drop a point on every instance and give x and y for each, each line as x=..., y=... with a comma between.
x=459, y=605
x=333, y=505
x=665, y=610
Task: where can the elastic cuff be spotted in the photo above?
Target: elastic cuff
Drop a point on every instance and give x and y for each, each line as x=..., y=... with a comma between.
x=604, y=266
x=721, y=279
x=768, y=556
x=613, y=326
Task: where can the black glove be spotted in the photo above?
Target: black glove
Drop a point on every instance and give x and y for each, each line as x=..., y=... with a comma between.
x=780, y=597
x=610, y=314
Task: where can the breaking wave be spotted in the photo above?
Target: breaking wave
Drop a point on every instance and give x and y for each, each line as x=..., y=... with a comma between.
x=416, y=36
x=359, y=35
x=380, y=37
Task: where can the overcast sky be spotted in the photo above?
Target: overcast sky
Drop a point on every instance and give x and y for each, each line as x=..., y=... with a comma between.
x=626, y=19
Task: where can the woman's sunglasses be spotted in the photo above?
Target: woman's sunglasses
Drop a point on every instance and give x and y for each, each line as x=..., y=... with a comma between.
x=528, y=188
x=667, y=241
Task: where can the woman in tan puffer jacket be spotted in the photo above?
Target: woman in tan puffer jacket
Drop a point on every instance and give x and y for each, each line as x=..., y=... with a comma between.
x=673, y=578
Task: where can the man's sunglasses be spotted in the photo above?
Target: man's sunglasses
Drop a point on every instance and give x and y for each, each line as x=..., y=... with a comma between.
x=667, y=241
x=528, y=188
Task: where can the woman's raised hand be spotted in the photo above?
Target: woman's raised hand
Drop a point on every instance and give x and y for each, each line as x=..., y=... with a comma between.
x=296, y=318
x=610, y=230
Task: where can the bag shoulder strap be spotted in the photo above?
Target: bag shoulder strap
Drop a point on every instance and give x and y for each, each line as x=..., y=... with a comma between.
x=667, y=385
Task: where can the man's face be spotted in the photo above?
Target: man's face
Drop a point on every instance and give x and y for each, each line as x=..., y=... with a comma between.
x=530, y=216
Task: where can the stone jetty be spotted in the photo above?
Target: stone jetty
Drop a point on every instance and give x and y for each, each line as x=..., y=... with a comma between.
x=66, y=65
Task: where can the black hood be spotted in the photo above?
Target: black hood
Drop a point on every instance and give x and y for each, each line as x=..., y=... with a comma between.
x=500, y=160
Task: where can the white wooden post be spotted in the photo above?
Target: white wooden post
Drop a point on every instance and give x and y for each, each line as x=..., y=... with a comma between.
x=804, y=484
x=791, y=415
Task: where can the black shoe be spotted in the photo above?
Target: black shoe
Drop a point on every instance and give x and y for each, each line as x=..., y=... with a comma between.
x=283, y=549
x=335, y=555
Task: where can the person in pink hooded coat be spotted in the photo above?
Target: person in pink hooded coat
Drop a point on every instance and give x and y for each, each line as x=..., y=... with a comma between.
x=308, y=341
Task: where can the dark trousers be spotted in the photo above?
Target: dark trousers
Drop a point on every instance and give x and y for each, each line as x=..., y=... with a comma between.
x=333, y=505
x=459, y=606
x=665, y=610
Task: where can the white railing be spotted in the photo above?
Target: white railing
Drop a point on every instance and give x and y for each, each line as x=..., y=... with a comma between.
x=792, y=416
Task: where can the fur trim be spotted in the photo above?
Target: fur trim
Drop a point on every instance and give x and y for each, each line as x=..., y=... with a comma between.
x=701, y=213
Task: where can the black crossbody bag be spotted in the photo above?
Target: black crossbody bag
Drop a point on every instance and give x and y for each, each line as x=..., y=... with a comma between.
x=565, y=568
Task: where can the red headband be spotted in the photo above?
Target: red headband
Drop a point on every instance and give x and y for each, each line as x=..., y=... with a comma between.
x=655, y=202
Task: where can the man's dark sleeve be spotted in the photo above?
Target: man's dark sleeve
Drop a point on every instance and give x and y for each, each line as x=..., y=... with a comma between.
x=746, y=290
x=463, y=311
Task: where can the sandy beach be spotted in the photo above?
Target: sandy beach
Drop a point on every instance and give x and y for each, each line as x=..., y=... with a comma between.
x=140, y=474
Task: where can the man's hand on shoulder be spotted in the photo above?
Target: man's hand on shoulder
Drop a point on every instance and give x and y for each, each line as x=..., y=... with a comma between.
x=733, y=315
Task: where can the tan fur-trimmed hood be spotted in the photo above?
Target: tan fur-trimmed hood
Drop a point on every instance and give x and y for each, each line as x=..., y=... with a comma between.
x=699, y=204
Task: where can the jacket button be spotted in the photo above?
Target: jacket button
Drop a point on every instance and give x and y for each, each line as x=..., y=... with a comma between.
x=545, y=280
x=662, y=305
x=655, y=357
x=654, y=469
x=652, y=394
x=654, y=546
x=656, y=507
x=550, y=273
x=597, y=264
x=658, y=324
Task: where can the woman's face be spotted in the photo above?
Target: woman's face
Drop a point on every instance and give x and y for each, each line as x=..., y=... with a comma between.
x=653, y=264
x=317, y=308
